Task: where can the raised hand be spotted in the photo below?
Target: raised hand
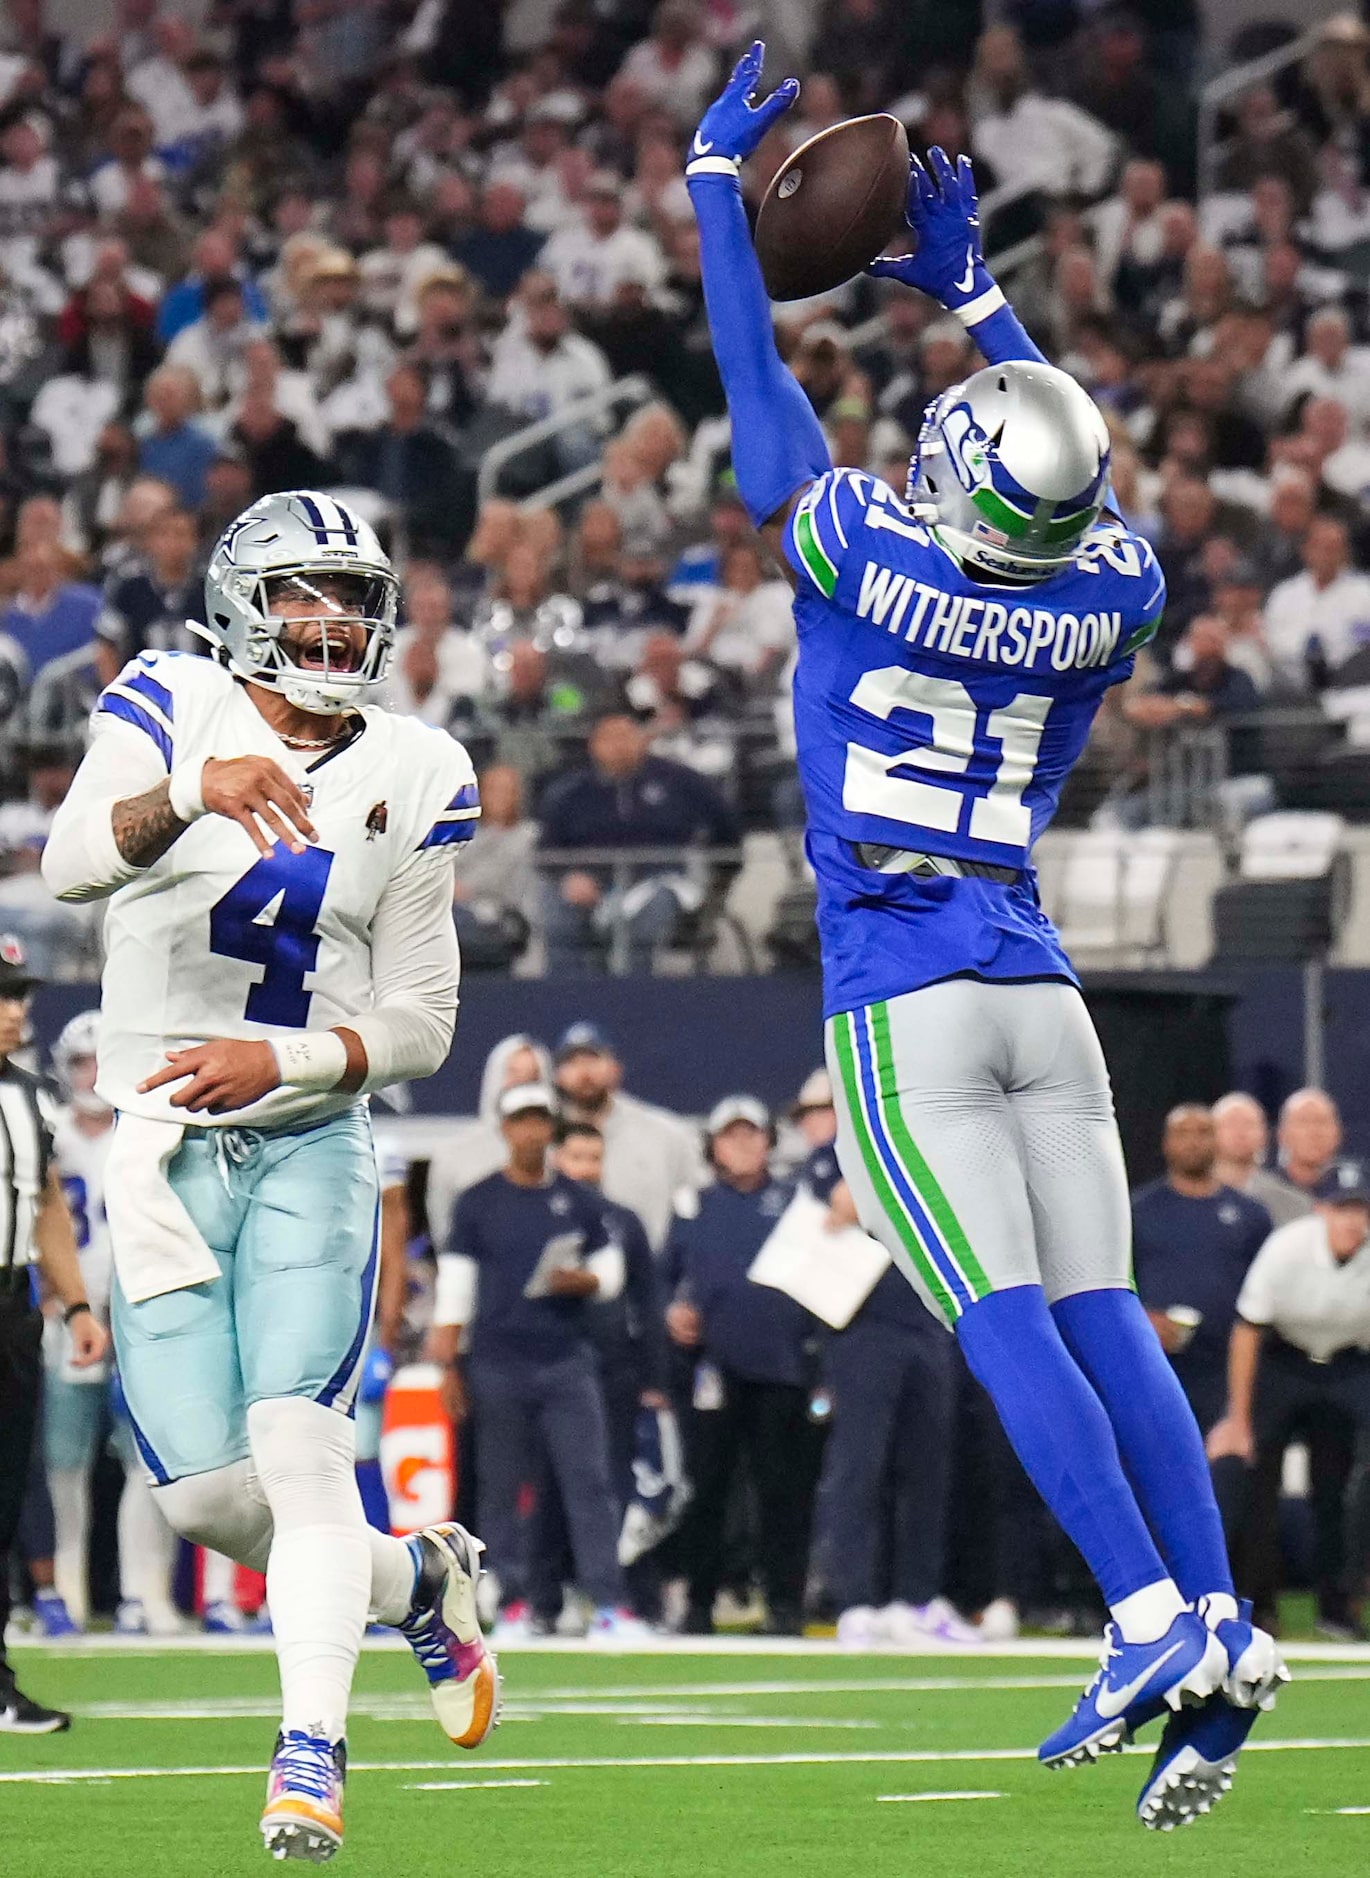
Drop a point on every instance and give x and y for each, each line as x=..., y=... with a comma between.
x=944, y=213
x=732, y=127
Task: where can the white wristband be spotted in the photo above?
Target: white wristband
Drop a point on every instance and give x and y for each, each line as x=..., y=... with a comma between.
x=187, y=791
x=311, y=1059
x=713, y=166
x=980, y=307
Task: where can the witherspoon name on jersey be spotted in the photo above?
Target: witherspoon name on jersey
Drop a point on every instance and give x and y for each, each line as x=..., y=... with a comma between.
x=969, y=627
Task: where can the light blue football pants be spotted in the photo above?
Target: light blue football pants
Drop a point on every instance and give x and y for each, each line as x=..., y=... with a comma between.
x=292, y=1216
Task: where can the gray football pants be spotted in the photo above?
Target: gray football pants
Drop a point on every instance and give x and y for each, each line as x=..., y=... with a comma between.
x=975, y=1128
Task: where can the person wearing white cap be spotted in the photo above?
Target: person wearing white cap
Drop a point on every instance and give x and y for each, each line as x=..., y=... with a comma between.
x=528, y=1251
x=751, y=1393
x=1299, y=1362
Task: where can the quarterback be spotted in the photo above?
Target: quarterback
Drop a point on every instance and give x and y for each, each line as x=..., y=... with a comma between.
x=955, y=642
x=276, y=853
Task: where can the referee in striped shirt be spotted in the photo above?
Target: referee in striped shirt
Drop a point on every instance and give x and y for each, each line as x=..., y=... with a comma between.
x=35, y=1229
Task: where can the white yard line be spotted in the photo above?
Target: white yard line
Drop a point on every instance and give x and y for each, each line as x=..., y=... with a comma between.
x=625, y=1703
x=467, y=1786
x=912, y=1799
x=38, y=1777
x=1060, y=1649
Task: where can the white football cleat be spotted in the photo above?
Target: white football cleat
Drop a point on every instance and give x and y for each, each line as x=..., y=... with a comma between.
x=444, y=1633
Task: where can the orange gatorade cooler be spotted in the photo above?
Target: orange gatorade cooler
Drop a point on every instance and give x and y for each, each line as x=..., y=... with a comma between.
x=418, y=1453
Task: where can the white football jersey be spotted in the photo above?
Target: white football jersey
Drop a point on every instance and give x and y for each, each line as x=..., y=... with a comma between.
x=80, y=1159
x=217, y=940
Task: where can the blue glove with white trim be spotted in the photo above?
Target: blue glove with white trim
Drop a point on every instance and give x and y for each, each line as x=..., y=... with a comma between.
x=733, y=127
x=944, y=213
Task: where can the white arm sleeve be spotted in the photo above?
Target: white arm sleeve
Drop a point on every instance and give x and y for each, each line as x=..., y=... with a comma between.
x=609, y=1267
x=81, y=860
x=454, y=1294
x=415, y=972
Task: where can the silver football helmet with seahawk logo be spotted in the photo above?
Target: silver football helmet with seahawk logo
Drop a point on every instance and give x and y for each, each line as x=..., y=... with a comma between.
x=288, y=585
x=1011, y=470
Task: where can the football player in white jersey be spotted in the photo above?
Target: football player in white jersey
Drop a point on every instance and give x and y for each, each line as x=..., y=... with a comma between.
x=277, y=857
x=79, y=1404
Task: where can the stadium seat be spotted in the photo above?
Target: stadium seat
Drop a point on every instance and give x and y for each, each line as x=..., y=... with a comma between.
x=1110, y=893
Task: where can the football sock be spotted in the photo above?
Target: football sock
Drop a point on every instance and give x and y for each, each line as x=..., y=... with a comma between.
x=69, y=1489
x=1112, y=1339
x=371, y=1486
x=147, y=1546
x=318, y=1578
x=1061, y=1434
x=1148, y=1613
x=394, y=1573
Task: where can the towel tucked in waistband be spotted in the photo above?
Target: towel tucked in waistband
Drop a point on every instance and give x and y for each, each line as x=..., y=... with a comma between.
x=156, y=1244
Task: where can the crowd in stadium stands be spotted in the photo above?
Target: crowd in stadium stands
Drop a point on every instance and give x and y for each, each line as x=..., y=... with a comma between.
x=362, y=246
x=854, y=1475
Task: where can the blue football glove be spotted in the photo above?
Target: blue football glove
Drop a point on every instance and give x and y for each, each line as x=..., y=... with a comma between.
x=944, y=213
x=732, y=127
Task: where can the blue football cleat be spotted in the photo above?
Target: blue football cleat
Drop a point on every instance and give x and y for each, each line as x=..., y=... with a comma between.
x=1188, y=1662
x=1194, y=1763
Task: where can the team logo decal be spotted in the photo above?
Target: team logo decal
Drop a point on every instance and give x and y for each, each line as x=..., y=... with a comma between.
x=967, y=447
x=376, y=821
x=789, y=183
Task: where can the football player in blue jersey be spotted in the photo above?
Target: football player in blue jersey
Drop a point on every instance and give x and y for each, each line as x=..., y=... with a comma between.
x=954, y=646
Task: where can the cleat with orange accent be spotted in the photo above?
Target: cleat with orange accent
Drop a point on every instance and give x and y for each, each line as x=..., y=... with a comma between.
x=444, y=1633
x=302, y=1818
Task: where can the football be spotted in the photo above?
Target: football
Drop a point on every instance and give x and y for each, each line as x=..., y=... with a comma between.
x=834, y=206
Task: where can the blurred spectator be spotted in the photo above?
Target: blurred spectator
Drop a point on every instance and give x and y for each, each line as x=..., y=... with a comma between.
x=675, y=68
x=52, y=615
x=57, y=938
x=1308, y=1138
x=413, y=463
x=147, y=607
x=1193, y=1238
x=624, y=798
x=500, y=250
x=1204, y=685
x=1242, y=1139
x=172, y=445
x=747, y=625
x=1268, y=142
x=212, y=346
x=271, y=447
x=1331, y=367
x=650, y=1155
x=214, y=257
x=495, y=891
x=1278, y=550
x=528, y=1251
x=750, y=1393
x=1315, y=620
x=540, y=367
x=1045, y=144
x=438, y=666
x=393, y=273
x=590, y=262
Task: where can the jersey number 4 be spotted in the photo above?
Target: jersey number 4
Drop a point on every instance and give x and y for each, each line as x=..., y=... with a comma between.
x=870, y=787
x=268, y=918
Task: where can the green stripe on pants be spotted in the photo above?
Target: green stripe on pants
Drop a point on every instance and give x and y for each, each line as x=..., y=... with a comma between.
x=921, y=1177
x=884, y=1192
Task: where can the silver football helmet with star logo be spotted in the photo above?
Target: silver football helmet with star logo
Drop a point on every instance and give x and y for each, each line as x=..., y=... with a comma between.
x=289, y=584
x=1011, y=470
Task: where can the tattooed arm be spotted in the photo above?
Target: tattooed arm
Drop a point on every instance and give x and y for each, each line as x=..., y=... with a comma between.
x=145, y=826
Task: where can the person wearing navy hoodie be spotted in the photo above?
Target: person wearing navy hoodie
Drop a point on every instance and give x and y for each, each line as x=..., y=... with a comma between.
x=529, y=1252
x=751, y=1394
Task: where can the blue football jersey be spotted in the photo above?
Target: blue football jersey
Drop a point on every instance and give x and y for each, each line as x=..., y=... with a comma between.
x=936, y=713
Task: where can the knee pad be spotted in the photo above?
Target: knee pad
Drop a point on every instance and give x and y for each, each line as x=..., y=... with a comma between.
x=225, y=1510
x=305, y=1455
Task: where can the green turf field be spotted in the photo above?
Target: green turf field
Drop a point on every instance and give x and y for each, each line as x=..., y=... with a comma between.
x=638, y=1765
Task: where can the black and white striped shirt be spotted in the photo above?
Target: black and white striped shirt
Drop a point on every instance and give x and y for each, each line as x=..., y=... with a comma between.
x=25, y=1153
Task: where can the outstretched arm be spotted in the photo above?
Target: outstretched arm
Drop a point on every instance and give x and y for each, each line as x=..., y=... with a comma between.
x=778, y=443
x=944, y=214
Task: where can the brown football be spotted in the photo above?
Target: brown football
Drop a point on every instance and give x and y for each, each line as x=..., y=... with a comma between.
x=833, y=207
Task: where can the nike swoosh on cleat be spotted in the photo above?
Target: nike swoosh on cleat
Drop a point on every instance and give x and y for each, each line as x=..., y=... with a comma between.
x=701, y=147
x=1110, y=1703
x=967, y=280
